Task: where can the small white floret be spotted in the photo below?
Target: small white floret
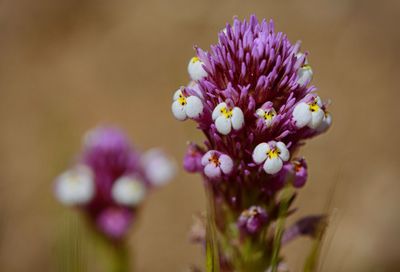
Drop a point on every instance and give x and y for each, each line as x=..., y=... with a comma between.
x=268, y=116
x=305, y=73
x=186, y=107
x=196, y=69
x=158, y=168
x=75, y=186
x=128, y=191
x=226, y=118
x=272, y=154
x=309, y=114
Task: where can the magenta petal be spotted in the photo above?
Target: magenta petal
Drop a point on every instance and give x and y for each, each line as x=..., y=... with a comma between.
x=114, y=222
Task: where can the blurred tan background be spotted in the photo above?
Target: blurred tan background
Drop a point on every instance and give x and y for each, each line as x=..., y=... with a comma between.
x=68, y=65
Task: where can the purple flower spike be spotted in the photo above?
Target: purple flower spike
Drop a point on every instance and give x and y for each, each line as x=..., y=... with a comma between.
x=253, y=88
x=252, y=220
x=215, y=164
x=251, y=95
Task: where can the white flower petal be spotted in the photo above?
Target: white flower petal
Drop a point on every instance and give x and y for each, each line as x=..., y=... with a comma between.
x=299, y=55
x=194, y=107
x=273, y=166
x=316, y=118
x=75, y=187
x=319, y=101
x=206, y=157
x=223, y=125
x=195, y=69
x=158, y=168
x=128, y=191
x=302, y=114
x=177, y=94
x=305, y=75
x=260, y=113
x=260, y=153
x=212, y=171
x=226, y=164
x=237, y=118
x=284, y=152
x=326, y=123
x=217, y=111
x=178, y=111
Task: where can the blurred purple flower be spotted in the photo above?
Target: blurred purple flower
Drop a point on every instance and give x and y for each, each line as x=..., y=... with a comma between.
x=115, y=222
x=112, y=179
x=251, y=221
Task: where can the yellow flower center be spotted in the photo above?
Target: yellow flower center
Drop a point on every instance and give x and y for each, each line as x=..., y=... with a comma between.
x=306, y=67
x=269, y=115
x=314, y=106
x=226, y=112
x=195, y=59
x=273, y=153
x=182, y=100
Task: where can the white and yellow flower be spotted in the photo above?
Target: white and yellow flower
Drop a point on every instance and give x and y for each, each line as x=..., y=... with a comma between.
x=75, y=186
x=309, y=113
x=267, y=115
x=196, y=69
x=305, y=73
x=185, y=107
x=226, y=118
x=215, y=164
x=128, y=191
x=272, y=154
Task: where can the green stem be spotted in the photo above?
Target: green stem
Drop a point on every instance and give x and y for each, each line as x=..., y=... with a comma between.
x=311, y=263
x=121, y=258
x=212, y=252
x=280, y=226
x=115, y=255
